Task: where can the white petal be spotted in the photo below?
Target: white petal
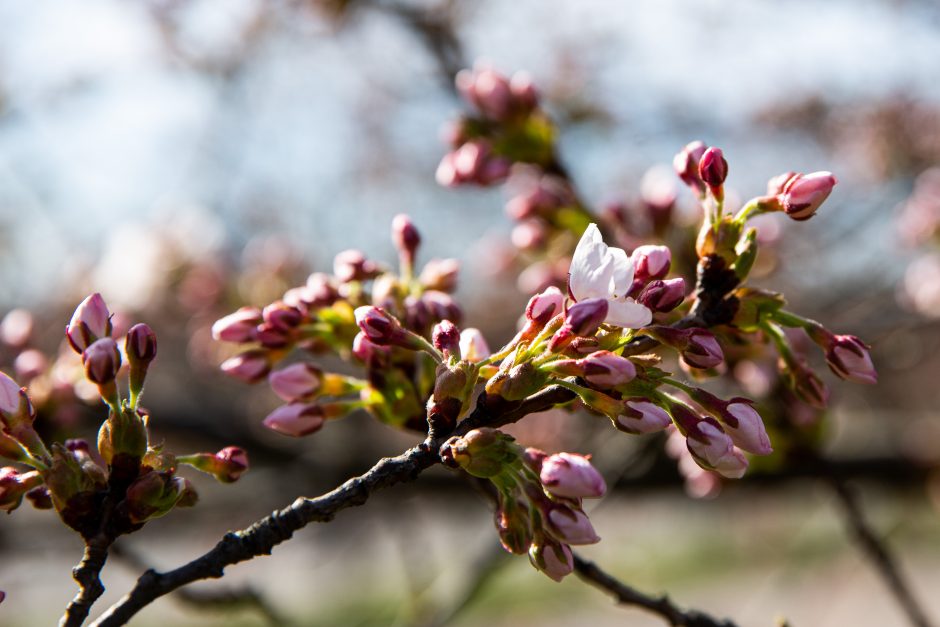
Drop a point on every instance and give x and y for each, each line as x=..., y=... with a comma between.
x=621, y=278
x=628, y=314
x=591, y=266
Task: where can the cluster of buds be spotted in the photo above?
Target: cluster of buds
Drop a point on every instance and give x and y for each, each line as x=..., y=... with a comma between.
x=137, y=479
x=539, y=496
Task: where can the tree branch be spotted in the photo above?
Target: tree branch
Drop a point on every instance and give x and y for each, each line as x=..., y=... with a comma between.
x=625, y=595
x=87, y=574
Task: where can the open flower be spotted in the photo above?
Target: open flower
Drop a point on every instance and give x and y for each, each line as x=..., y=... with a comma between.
x=600, y=271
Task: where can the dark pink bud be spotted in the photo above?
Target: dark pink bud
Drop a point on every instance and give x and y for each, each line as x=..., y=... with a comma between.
x=582, y=319
x=804, y=193
x=703, y=350
x=270, y=336
x=544, y=306
x=102, y=360
x=600, y=368
x=662, y=296
x=641, y=415
x=250, y=366
x=237, y=327
x=140, y=344
x=295, y=419
x=849, y=358
x=446, y=338
x=322, y=292
x=552, y=558
x=650, y=262
x=296, y=382
x=379, y=326
x=686, y=165
x=232, y=463
x=571, y=476
x=406, y=237
x=91, y=321
x=713, y=168
x=570, y=525
x=282, y=316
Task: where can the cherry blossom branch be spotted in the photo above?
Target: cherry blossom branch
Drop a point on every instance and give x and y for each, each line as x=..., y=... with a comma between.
x=662, y=606
x=87, y=574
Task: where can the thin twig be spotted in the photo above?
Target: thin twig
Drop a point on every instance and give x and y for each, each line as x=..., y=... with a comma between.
x=662, y=606
x=88, y=576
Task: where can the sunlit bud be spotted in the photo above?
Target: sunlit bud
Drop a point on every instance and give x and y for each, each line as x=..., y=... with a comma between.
x=601, y=368
x=640, y=415
x=440, y=275
x=379, y=326
x=516, y=383
x=482, y=452
x=513, y=526
x=238, y=326
x=446, y=338
x=155, y=494
x=296, y=382
x=322, y=290
x=777, y=184
x=405, y=237
x=369, y=352
x=524, y=93
x=102, y=360
x=446, y=173
x=250, y=366
x=570, y=525
x=473, y=346
x=39, y=498
x=140, y=345
x=352, y=265
x=662, y=296
x=295, y=419
x=686, y=164
x=807, y=385
x=282, y=316
x=271, y=336
x=544, y=306
x=583, y=318
x=123, y=434
x=699, y=347
x=552, y=558
x=9, y=396
x=227, y=465
x=91, y=321
x=14, y=486
x=650, y=262
x=741, y=421
x=849, y=358
x=469, y=160
x=714, y=450
x=713, y=168
x=571, y=476
x=16, y=328
x=804, y=193
x=29, y=364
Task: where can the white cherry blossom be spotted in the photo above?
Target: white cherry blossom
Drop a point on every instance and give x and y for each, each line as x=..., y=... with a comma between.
x=601, y=271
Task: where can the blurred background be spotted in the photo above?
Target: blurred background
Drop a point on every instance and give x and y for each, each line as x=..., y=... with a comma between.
x=187, y=157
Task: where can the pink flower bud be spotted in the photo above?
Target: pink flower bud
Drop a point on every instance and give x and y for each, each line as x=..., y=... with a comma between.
x=714, y=450
x=686, y=164
x=544, y=306
x=601, y=368
x=140, y=344
x=440, y=275
x=446, y=338
x=234, y=463
x=777, y=184
x=746, y=427
x=571, y=476
x=406, y=237
x=14, y=486
x=662, y=296
x=9, y=395
x=238, y=326
x=552, y=558
x=296, y=382
x=250, y=366
x=282, y=316
x=849, y=358
x=804, y=193
x=570, y=525
x=807, y=385
x=473, y=346
x=470, y=159
x=91, y=321
x=583, y=319
x=713, y=168
x=368, y=352
x=446, y=173
x=102, y=360
x=322, y=290
x=703, y=350
x=271, y=336
x=650, y=262
x=378, y=325
x=641, y=415
x=295, y=419
x=352, y=265
x=487, y=90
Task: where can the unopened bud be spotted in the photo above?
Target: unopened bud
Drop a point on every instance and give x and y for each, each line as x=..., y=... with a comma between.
x=155, y=494
x=250, y=366
x=446, y=338
x=803, y=194
x=849, y=358
x=544, y=306
x=482, y=452
x=601, y=368
x=650, y=262
x=296, y=382
x=102, y=360
x=571, y=476
x=513, y=526
x=686, y=164
x=582, y=319
x=370, y=353
x=662, y=296
x=226, y=466
x=14, y=486
x=714, y=450
x=282, y=316
x=807, y=385
x=406, y=238
x=380, y=327
x=296, y=419
x=552, y=558
x=713, y=168
x=352, y=265
x=641, y=415
x=569, y=524
x=487, y=90
x=123, y=434
x=91, y=321
x=237, y=327
x=741, y=421
x=473, y=346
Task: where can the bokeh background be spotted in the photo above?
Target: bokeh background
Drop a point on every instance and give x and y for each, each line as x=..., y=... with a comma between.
x=186, y=157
